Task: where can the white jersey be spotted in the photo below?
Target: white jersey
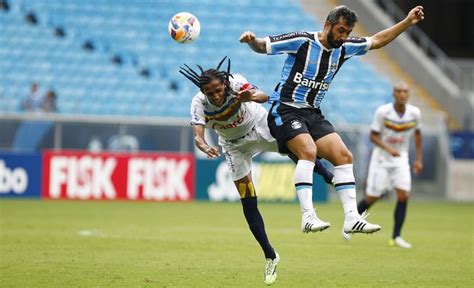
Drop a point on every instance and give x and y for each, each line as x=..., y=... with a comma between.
x=232, y=120
x=395, y=130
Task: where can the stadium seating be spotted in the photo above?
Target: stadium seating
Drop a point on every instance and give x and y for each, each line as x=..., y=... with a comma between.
x=88, y=82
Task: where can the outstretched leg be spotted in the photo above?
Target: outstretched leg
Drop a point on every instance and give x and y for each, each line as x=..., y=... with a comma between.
x=248, y=197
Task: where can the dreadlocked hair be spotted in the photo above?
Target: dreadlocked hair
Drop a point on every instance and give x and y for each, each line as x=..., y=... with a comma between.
x=211, y=74
x=207, y=76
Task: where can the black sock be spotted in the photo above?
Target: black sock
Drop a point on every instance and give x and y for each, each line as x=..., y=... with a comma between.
x=399, y=215
x=321, y=170
x=255, y=221
x=363, y=205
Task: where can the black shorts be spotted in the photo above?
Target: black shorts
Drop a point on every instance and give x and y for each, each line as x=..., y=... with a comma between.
x=286, y=122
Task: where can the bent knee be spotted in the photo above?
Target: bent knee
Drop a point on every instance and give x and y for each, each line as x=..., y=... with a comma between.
x=403, y=197
x=343, y=157
x=246, y=190
x=347, y=156
x=307, y=152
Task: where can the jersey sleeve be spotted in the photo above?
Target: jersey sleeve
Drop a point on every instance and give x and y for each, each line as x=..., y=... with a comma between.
x=239, y=83
x=377, y=122
x=197, y=111
x=357, y=46
x=287, y=43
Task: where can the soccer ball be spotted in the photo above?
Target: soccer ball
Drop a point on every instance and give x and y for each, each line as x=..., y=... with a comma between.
x=184, y=28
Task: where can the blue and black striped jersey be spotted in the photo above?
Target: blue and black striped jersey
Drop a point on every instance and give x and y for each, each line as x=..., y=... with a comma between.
x=309, y=67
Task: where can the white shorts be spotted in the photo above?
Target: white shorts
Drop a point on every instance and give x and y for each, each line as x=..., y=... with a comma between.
x=239, y=153
x=382, y=178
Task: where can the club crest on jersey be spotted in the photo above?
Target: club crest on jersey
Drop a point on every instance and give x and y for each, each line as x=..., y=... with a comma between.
x=295, y=124
x=333, y=67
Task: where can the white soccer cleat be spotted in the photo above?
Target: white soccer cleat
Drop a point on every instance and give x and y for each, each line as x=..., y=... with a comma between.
x=346, y=236
x=400, y=242
x=311, y=223
x=270, y=274
x=359, y=225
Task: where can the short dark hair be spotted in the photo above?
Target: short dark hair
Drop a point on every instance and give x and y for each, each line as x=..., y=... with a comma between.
x=349, y=16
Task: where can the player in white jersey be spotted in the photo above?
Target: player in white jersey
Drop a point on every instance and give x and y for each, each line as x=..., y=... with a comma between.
x=389, y=168
x=229, y=105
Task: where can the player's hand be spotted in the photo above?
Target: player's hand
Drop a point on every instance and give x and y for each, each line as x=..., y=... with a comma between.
x=247, y=37
x=393, y=152
x=212, y=152
x=417, y=167
x=415, y=15
x=243, y=96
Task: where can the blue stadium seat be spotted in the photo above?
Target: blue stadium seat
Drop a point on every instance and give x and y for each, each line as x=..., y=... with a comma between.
x=88, y=82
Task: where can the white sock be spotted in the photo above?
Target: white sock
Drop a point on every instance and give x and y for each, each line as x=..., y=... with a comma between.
x=304, y=185
x=345, y=187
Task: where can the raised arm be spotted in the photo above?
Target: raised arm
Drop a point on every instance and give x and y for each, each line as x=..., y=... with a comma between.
x=386, y=36
x=201, y=144
x=257, y=44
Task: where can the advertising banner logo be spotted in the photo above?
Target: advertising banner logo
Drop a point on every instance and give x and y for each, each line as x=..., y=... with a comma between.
x=273, y=181
x=141, y=176
x=20, y=175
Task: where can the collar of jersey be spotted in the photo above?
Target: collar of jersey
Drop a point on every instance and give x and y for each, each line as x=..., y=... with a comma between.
x=230, y=109
x=316, y=39
x=222, y=109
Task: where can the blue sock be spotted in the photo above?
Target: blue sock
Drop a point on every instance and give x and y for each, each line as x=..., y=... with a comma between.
x=256, y=225
x=399, y=215
x=321, y=170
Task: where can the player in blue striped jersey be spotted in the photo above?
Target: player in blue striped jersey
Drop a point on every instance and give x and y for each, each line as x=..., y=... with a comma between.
x=295, y=120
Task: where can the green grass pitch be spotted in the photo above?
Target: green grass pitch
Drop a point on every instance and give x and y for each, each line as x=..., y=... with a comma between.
x=130, y=244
